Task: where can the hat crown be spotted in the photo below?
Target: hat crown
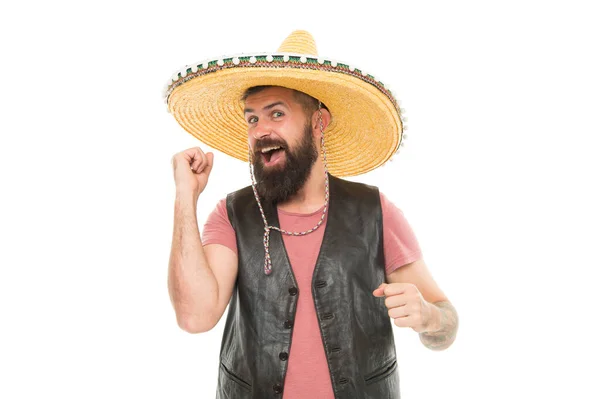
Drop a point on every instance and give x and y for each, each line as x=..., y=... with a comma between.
x=299, y=42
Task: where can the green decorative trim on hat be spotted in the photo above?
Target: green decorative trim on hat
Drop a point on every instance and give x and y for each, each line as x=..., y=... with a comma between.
x=279, y=61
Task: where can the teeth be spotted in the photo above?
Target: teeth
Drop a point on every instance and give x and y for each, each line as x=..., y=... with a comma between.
x=264, y=150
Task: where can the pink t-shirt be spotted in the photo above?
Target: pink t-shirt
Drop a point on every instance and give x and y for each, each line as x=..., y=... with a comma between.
x=307, y=367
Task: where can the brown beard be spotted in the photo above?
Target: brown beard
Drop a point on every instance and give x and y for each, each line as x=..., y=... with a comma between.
x=280, y=183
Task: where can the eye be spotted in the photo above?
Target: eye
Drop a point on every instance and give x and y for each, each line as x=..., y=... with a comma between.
x=252, y=119
x=277, y=114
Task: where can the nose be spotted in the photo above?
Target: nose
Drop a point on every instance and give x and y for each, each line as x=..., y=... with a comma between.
x=261, y=129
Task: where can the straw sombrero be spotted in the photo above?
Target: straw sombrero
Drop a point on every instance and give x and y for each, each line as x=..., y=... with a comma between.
x=367, y=123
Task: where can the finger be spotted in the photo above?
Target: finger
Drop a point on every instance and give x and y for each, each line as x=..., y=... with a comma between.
x=190, y=153
x=395, y=288
x=400, y=311
x=196, y=157
x=203, y=165
x=405, y=321
x=379, y=290
x=393, y=301
x=200, y=164
x=185, y=158
x=199, y=160
x=209, y=161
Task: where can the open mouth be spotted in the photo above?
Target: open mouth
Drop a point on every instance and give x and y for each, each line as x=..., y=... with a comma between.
x=271, y=155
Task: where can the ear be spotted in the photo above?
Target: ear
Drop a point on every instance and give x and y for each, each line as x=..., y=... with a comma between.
x=326, y=116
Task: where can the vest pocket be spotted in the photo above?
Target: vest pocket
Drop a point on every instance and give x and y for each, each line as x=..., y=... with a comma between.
x=235, y=378
x=384, y=371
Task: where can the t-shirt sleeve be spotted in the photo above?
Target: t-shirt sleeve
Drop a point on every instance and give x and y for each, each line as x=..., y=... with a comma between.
x=217, y=228
x=400, y=245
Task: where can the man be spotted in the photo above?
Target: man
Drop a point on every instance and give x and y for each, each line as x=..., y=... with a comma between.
x=312, y=266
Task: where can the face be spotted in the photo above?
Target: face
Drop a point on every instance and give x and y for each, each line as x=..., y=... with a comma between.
x=281, y=140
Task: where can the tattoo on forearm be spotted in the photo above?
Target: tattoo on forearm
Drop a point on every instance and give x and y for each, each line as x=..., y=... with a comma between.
x=442, y=339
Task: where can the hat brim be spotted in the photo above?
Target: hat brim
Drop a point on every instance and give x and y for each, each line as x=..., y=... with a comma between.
x=364, y=133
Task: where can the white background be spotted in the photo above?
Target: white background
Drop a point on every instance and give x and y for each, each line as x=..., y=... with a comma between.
x=498, y=179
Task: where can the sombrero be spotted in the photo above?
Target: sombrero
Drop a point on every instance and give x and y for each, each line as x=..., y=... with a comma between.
x=367, y=126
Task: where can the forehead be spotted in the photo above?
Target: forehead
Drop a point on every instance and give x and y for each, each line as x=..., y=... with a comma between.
x=272, y=94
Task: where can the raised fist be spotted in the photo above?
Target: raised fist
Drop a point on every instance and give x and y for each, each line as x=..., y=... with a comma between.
x=191, y=169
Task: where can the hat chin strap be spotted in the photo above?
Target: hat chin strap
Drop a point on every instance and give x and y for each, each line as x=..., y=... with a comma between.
x=268, y=265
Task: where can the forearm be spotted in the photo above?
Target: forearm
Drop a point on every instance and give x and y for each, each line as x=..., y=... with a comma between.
x=442, y=332
x=193, y=287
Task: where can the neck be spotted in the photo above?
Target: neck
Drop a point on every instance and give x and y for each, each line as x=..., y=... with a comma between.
x=311, y=197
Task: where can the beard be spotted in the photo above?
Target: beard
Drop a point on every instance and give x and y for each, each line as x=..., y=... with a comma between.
x=280, y=182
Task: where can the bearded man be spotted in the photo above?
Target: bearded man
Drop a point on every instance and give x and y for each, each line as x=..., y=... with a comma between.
x=313, y=267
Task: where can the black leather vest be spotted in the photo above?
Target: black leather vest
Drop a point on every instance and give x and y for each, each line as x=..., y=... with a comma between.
x=355, y=327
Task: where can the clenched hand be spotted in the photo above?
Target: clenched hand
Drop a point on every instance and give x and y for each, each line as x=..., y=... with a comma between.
x=407, y=306
x=191, y=169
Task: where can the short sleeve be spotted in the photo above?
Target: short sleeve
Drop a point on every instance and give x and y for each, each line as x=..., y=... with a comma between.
x=217, y=228
x=400, y=245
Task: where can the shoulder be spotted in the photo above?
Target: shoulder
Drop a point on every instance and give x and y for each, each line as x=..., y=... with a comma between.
x=238, y=203
x=355, y=198
x=241, y=193
x=352, y=185
x=388, y=207
x=241, y=197
x=218, y=215
x=385, y=201
x=354, y=189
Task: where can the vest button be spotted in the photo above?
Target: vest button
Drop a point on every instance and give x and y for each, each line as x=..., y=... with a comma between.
x=293, y=291
x=283, y=356
x=288, y=324
x=277, y=388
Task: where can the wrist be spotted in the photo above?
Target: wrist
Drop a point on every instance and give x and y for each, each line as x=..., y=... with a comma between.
x=435, y=322
x=186, y=197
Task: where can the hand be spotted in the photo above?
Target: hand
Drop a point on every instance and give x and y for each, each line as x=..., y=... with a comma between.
x=191, y=169
x=407, y=307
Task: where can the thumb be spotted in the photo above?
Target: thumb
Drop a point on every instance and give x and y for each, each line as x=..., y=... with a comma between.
x=209, y=158
x=379, y=290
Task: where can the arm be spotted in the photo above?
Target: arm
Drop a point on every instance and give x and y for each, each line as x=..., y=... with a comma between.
x=198, y=290
x=444, y=327
x=401, y=247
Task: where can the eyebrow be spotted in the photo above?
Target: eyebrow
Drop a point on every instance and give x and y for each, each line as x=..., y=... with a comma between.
x=246, y=110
